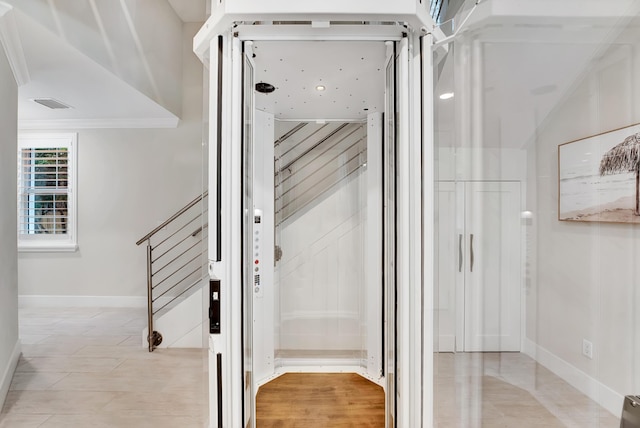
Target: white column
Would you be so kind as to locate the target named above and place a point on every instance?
(216, 269)
(233, 287)
(428, 233)
(373, 247)
(404, 370)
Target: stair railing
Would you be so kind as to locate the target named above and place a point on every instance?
(326, 159)
(176, 260)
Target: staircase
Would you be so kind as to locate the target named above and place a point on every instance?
(176, 273)
(311, 160)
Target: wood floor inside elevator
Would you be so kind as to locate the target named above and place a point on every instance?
(296, 400)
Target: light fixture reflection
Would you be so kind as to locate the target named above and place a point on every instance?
(320, 88)
(446, 96)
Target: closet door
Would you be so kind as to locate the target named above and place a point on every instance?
(492, 303)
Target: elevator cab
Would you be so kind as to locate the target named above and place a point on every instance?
(316, 150)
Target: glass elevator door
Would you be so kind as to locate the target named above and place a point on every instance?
(251, 240)
(389, 237)
(345, 319)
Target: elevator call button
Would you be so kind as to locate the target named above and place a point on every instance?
(257, 229)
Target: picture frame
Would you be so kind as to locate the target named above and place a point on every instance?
(599, 177)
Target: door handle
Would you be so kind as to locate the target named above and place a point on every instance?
(471, 256)
(219, 387)
(214, 306)
(460, 252)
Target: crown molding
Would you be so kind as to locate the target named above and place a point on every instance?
(10, 40)
(126, 123)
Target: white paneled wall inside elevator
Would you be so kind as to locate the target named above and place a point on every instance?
(321, 292)
(316, 302)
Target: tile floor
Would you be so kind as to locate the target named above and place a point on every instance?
(87, 368)
(509, 390)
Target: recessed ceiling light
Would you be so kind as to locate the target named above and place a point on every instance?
(446, 96)
(320, 88)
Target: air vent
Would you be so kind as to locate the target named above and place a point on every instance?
(51, 103)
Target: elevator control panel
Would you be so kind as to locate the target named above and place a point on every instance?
(257, 245)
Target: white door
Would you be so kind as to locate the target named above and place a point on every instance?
(478, 301)
(492, 273)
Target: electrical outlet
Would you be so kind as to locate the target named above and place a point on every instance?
(587, 349)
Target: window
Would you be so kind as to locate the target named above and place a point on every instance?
(46, 192)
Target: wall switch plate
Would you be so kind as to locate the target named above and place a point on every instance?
(587, 349)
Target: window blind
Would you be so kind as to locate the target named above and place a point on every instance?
(43, 191)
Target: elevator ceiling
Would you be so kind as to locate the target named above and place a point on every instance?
(351, 73)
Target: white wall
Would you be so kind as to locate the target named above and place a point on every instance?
(322, 302)
(9, 344)
(492, 164)
(128, 181)
(585, 283)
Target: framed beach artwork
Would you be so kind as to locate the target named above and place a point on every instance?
(599, 177)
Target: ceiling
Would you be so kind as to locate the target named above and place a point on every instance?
(54, 68)
(191, 10)
(351, 73)
(96, 96)
(509, 73)
(529, 65)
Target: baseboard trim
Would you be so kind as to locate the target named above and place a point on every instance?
(319, 365)
(43, 301)
(7, 376)
(592, 388)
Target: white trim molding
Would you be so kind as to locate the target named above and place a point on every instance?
(44, 301)
(592, 388)
(123, 123)
(27, 247)
(5, 382)
(30, 236)
(10, 40)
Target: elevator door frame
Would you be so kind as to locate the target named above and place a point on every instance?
(389, 326)
(387, 318)
(409, 348)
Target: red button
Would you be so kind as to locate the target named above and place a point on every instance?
(256, 262)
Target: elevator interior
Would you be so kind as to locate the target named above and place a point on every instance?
(315, 190)
(319, 186)
(323, 120)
